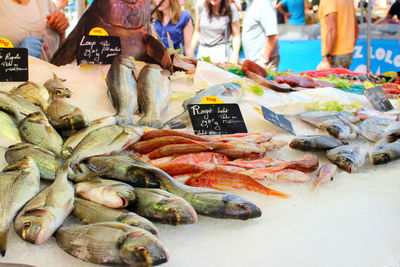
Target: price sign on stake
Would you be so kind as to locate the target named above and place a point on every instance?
(278, 120)
(214, 119)
(13, 64)
(378, 98)
(98, 49)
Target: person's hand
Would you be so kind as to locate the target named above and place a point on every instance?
(287, 16)
(57, 21)
(34, 45)
(60, 4)
(324, 65)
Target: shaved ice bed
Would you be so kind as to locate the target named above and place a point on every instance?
(351, 221)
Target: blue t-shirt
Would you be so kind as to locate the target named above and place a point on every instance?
(175, 31)
(296, 8)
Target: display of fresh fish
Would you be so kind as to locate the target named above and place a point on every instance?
(162, 206)
(326, 172)
(33, 93)
(123, 168)
(153, 95)
(112, 243)
(348, 157)
(19, 183)
(278, 175)
(105, 192)
(64, 116)
(387, 149)
(17, 106)
(90, 212)
(70, 144)
(41, 217)
(373, 128)
(36, 129)
(46, 160)
(56, 86)
(122, 88)
(9, 133)
(225, 180)
(104, 141)
(227, 92)
(315, 142)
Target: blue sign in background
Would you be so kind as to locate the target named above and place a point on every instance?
(305, 55)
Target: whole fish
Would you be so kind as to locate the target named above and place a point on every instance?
(33, 93)
(64, 116)
(159, 205)
(365, 113)
(153, 95)
(326, 172)
(122, 88)
(392, 130)
(225, 180)
(46, 160)
(315, 142)
(70, 144)
(17, 106)
(56, 86)
(373, 128)
(227, 92)
(90, 212)
(387, 149)
(105, 192)
(122, 168)
(277, 175)
(205, 201)
(19, 183)
(36, 129)
(9, 133)
(41, 217)
(348, 157)
(105, 140)
(112, 243)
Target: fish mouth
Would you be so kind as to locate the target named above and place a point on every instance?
(381, 158)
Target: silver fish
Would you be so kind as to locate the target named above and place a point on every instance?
(105, 192)
(122, 88)
(33, 93)
(153, 94)
(46, 160)
(315, 142)
(373, 128)
(19, 183)
(392, 130)
(365, 113)
(41, 217)
(17, 106)
(349, 157)
(387, 149)
(9, 133)
(112, 243)
(91, 212)
(227, 92)
(36, 129)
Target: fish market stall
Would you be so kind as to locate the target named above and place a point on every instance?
(349, 221)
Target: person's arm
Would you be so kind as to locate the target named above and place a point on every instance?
(196, 32)
(187, 39)
(279, 7)
(60, 4)
(235, 42)
(58, 22)
(269, 48)
(238, 7)
(356, 30)
(331, 32)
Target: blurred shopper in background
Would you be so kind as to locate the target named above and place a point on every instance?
(260, 33)
(393, 11)
(295, 13)
(33, 24)
(216, 26)
(171, 22)
(339, 32)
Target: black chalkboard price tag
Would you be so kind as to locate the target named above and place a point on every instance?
(14, 64)
(278, 120)
(216, 119)
(98, 49)
(378, 98)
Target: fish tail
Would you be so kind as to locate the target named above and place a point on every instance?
(3, 243)
(272, 192)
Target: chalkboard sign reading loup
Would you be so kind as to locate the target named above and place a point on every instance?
(278, 120)
(216, 119)
(13, 64)
(378, 98)
(98, 49)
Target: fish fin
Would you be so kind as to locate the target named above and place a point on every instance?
(35, 212)
(276, 193)
(3, 242)
(118, 137)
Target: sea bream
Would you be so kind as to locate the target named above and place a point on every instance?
(9, 133)
(17, 106)
(315, 142)
(227, 92)
(33, 93)
(374, 128)
(387, 149)
(349, 157)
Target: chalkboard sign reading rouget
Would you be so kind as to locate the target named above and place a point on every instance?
(98, 49)
(378, 98)
(13, 64)
(278, 120)
(216, 119)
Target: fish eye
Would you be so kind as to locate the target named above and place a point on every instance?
(26, 225)
(197, 181)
